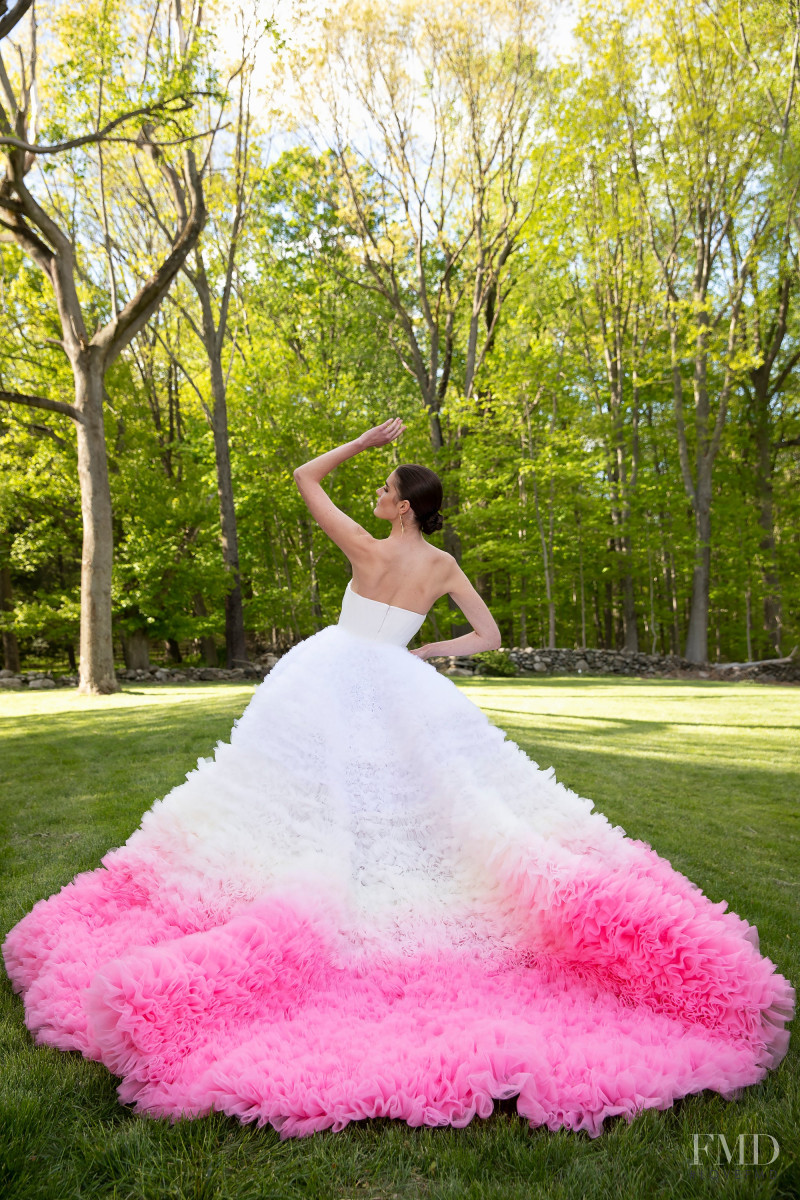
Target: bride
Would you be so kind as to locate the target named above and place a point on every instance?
(371, 903)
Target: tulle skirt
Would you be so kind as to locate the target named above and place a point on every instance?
(372, 903)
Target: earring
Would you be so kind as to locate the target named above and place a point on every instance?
(402, 526)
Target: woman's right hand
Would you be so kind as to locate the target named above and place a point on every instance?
(380, 435)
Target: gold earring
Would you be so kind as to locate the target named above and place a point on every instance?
(402, 526)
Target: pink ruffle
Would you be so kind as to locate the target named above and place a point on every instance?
(432, 1040)
(643, 993)
(53, 953)
(647, 933)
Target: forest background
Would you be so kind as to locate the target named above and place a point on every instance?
(230, 241)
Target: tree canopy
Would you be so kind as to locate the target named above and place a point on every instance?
(226, 247)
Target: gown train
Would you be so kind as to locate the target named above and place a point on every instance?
(371, 903)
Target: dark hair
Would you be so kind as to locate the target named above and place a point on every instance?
(422, 488)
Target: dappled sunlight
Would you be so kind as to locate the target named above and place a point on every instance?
(66, 713)
(68, 700)
(711, 704)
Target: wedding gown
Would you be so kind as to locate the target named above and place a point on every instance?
(371, 903)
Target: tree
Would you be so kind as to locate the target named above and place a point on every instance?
(669, 152)
(769, 43)
(311, 372)
(9, 20)
(42, 230)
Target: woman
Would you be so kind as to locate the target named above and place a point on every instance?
(371, 903)
(403, 565)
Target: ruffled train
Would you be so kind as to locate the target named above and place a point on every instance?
(371, 903)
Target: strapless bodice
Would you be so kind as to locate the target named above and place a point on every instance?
(378, 621)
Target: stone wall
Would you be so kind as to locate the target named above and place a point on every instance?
(527, 661)
(619, 662)
(40, 680)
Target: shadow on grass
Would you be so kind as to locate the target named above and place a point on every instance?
(636, 724)
(590, 682)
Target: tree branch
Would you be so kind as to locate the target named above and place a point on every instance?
(102, 134)
(785, 371)
(137, 312)
(10, 19)
(58, 406)
(22, 235)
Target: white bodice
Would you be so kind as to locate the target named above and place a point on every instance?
(378, 621)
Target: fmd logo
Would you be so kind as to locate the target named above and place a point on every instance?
(747, 1150)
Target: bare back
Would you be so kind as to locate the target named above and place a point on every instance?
(415, 577)
(412, 578)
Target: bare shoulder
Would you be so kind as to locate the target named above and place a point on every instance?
(444, 567)
(450, 572)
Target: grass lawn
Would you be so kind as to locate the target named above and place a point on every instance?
(707, 773)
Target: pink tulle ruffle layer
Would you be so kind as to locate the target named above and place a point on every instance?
(636, 991)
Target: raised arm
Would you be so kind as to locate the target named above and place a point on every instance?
(485, 630)
(348, 535)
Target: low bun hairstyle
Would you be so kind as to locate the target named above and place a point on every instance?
(422, 488)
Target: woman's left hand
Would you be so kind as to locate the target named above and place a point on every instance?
(380, 435)
(429, 650)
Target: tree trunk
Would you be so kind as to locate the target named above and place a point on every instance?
(136, 650)
(697, 636)
(451, 501)
(773, 615)
(651, 589)
(173, 650)
(629, 625)
(580, 575)
(608, 618)
(208, 647)
(522, 533)
(547, 555)
(10, 644)
(598, 623)
(90, 358)
(316, 607)
(620, 517)
(97, 676)
(235, 649)
(748, 623)
(671, 586)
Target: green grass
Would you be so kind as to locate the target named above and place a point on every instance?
(706, 773)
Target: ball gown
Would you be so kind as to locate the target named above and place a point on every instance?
(371, 903)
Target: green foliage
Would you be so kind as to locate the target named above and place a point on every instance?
(562, 468)
(495, 662)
